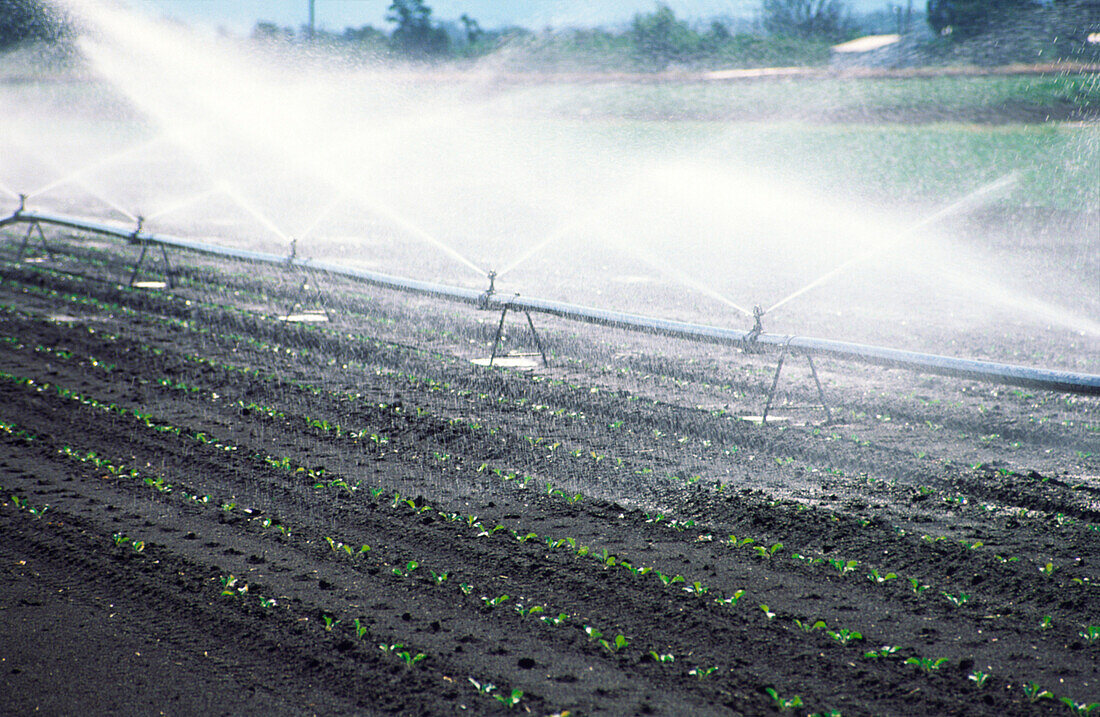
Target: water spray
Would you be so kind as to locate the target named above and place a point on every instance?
(969, 369)
(975, 198)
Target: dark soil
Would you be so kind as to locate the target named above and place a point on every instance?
(956, 522)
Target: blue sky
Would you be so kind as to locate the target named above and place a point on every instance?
(241, 15)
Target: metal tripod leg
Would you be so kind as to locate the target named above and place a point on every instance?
(168, 280)
(820, 390)
(140, 261)
(775, 383)
(771, 391)
(41, 236)
(500, 334)
(500, 331)
(538, 341)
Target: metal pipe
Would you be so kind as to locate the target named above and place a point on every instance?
(985, 371)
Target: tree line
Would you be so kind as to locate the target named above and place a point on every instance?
(784, 31)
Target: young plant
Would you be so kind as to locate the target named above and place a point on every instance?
(511, 700)
(957, 600)
(808, 627)
(667, 657)
(593, 633)
(731, 600)
(927, 663)
(781, 704)
(482, 687)
(439, 578)
(701, 672)
(879, 579)
(407, 570)
(1091, 633)
(494, 602)
(615, 645)
(917, 586)
(768, 613)
(330, 622)
(411, 659)
(1035, 693)
(1080, 708)
(844, 635)
(979, 678)
(884, 651)
(555, 621)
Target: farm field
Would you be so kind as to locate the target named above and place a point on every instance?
(242, 515)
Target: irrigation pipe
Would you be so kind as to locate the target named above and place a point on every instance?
(984, 371)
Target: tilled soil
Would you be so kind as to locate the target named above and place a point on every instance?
(209, 510)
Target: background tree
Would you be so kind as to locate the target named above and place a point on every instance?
(659, 38)
(24, 20)
(969, 18)
(821, 19)
(415, 34)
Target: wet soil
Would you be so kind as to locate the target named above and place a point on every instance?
(208, 510)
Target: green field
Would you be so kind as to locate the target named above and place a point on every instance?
(919, 140)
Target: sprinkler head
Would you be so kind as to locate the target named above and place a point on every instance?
(135, 237)
(757, 326)
(485, 298)
(293, 250)
(22, 203)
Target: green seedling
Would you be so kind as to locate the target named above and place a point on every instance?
(696, 588)
(1035, 693)
(768, 613)
(917, 586)
(439, 578)
(466, 588)
(1080, 708)
(511, 700)
(593, 633)
(230, 588)
(875, 577)
(411, 659)
(667, 657)
(482, 687)
(927, 663)
(844, 635)
(615, 645)
(555, 621)
(957, 600)
(525, 538)
(808, 627)
(670, 580)
(979, 678)
(739, 542)
(267, 602)
(781, 704)
(1091, 633)
(139, 546)
(495, 602)
(527, 611)
(1047, 569)
(360, 628)
(701, 672)
(731, 600)
(1046, 622)
(884, 651)
(38, 512)
(120, 539)
(407, 570)
(844, 567)
(390, 649)
(330, 622)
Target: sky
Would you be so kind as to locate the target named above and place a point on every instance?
(335, 15)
